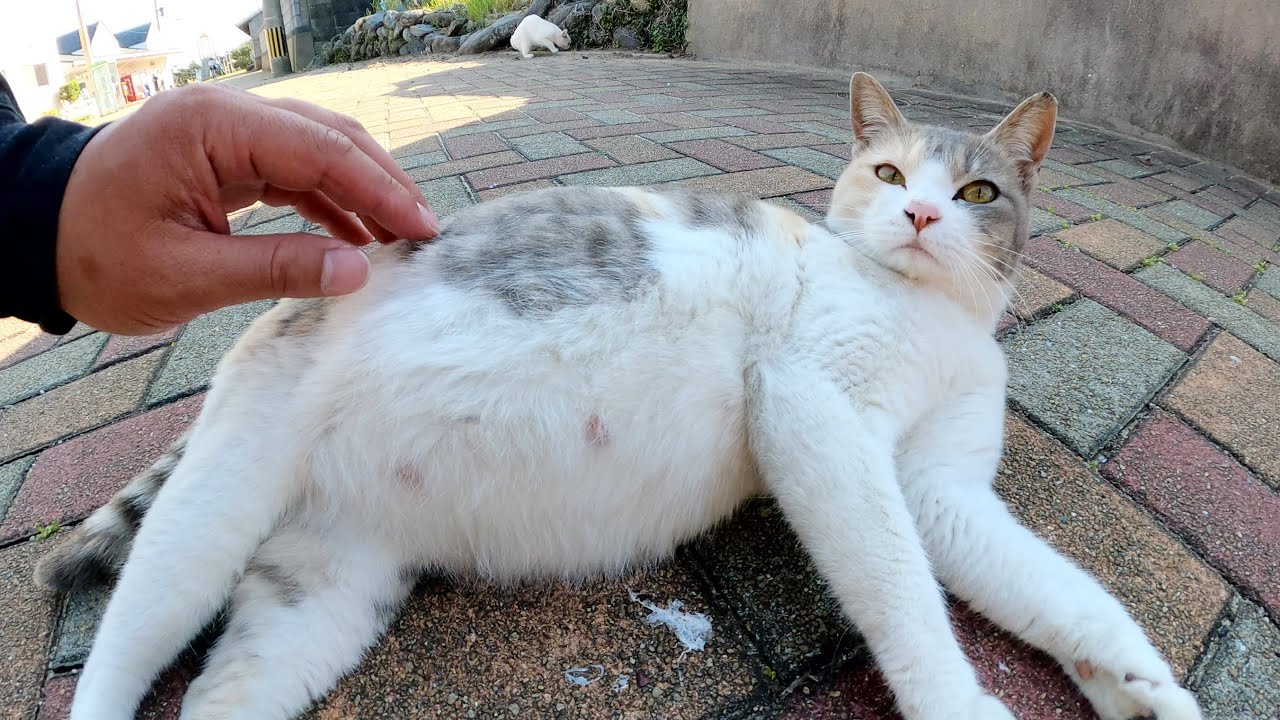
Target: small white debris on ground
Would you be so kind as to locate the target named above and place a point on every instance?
(691, 629)
(621, 683)
(584, 676)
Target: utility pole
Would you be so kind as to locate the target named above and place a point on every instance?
(88, 57)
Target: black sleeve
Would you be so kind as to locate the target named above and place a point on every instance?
(35, 164)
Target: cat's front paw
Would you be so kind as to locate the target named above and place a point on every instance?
(1122, 692)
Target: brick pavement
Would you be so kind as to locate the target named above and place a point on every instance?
(1142, 440)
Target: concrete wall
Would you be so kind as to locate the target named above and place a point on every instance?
(1203, 74)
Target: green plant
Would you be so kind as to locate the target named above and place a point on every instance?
(1197, 277)
(1057, 307)
(1261, 266)
(480, 12)
(660, 24)
(1240, 298)
(1051, 211)
(1276, 247)
(670, 24)
(1173, 247)
(1066, 225)
(70, 91)
(44, 532)
(242, 57)
(186, 75)
(1095, 217)
(1152, 261)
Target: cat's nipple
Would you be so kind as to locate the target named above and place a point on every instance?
(597, 433)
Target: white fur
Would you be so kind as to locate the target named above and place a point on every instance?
(533, 32)
(425, 425)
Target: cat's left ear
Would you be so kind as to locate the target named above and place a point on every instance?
(1027, 133)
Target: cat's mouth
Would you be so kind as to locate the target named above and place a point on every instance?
(916, 249)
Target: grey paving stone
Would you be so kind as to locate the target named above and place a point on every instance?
(1125, 168)
(1044, 222)
(667, 136)
(825, 130)
(11, 477)
(1239, 678)
(810, 159)
(1125, 215)
(489, 127)
(78, 626)
(757, 567)
(1241, 322)
(288, 224)
(1193, 214)
(547, 145)
(615, 117)
(730, 112)
(418, 160)
(49, 369)
(1263, 213)
(643, 174)
(659, 100)
(194, 356)
(446, 195)
(1269, 280)
(1086, 371)
(1073, 171)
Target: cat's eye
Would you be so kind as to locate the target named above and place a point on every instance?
(890, 174)
(978, 192)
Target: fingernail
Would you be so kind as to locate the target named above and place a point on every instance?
(429, 217)
(345, 270)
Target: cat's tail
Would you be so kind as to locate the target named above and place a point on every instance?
(97, 549)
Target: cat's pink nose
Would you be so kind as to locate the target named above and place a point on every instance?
(921, 214)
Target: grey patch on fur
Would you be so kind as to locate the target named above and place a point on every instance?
(304, 317)
(94, 555)
(739, 215)
(548, 250)
(284, 583)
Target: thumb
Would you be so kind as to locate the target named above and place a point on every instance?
(233, 269)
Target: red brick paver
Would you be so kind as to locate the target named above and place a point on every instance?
(1159, 314)
(71, 480)
(1206, 497)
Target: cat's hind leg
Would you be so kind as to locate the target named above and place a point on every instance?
(1004, 571)
(314, 597)
(222, 499)
(523, 47)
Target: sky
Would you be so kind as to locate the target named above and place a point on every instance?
(182, 22)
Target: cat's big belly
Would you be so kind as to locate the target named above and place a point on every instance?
(559, 477)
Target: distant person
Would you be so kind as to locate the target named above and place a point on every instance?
(136, 243)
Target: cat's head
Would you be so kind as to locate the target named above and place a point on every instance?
(943, 207)
(562, 40)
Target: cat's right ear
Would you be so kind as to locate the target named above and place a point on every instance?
(871, 110)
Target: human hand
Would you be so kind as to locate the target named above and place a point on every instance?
(143, 238)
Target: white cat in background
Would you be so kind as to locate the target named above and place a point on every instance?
(533, 31)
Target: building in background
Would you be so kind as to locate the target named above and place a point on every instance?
(135, 62)
(29, 62)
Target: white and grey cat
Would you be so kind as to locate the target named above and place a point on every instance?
(534, 32)
(575, 380)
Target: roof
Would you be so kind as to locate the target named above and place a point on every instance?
(134, 37)
(69, 44)
(244, 24)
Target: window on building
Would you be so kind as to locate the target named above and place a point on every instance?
(42, 74)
